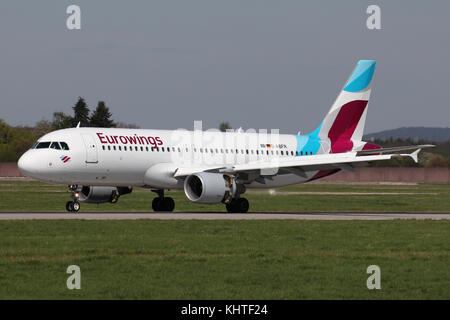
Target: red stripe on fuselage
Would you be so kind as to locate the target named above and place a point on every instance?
(345, 124)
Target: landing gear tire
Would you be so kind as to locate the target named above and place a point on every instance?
(155, 203)
(73, 206)
(163, 204)
(239, 205)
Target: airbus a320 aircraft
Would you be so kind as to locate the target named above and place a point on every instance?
(101, 164)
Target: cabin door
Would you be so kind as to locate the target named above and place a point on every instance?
(91, 148)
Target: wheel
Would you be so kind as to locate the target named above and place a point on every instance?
(239, 205)
(69, 206)
(168, 204)
(242, 205)
(75, 206)
(155, 204)
(163, 204)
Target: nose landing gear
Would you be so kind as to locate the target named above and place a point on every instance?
(73, 206)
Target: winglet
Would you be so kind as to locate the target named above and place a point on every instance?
(78, 125)
(415, 155)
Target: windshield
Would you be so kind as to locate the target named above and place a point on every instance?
(64, 146)
(53, 145)
(43, 145)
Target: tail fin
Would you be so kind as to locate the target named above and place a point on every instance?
(344, 123)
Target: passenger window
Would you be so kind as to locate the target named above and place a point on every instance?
(109, 147)
(43, 145)
(55, 145)
(64, 146)
(114, 147)
(103, 147)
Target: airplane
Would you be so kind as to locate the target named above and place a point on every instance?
(101, 164)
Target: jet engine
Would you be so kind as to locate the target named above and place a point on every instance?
(206, 187)
(100, 194)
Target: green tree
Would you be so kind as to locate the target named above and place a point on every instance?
(437, 161)
(81, 113)
(223, 126)
(62, 121)
(101, 117)
(42, 127)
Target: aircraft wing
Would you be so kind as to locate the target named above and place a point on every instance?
(299, 165)
(393, 149)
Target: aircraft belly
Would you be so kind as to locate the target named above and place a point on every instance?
(280, 181)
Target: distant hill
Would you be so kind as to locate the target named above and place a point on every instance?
(414, 133)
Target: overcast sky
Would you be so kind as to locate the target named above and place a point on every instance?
(254, 63)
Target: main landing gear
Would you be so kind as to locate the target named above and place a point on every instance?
(73, 206)
(161, 203)
(238, 205)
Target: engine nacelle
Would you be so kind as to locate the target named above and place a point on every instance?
(206, 187)
(100, 194)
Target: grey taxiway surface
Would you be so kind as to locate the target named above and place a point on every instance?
(221, 216)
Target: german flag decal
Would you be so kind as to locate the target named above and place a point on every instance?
(64, 158)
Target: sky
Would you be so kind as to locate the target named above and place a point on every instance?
(258, 64)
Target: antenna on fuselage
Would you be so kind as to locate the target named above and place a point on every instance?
(78, 125)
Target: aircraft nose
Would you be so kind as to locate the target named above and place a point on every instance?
(25, 164)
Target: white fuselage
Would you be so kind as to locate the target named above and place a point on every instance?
(148, 158)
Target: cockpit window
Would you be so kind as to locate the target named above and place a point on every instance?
(43, 145)
(34, 145)
(64, 146)
(55, 145)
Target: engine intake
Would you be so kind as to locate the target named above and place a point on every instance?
(207, 187)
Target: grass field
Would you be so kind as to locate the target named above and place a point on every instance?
(266, 259)
(153, 259)
(28, 196)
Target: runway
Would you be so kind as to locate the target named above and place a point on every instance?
(220, 216)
